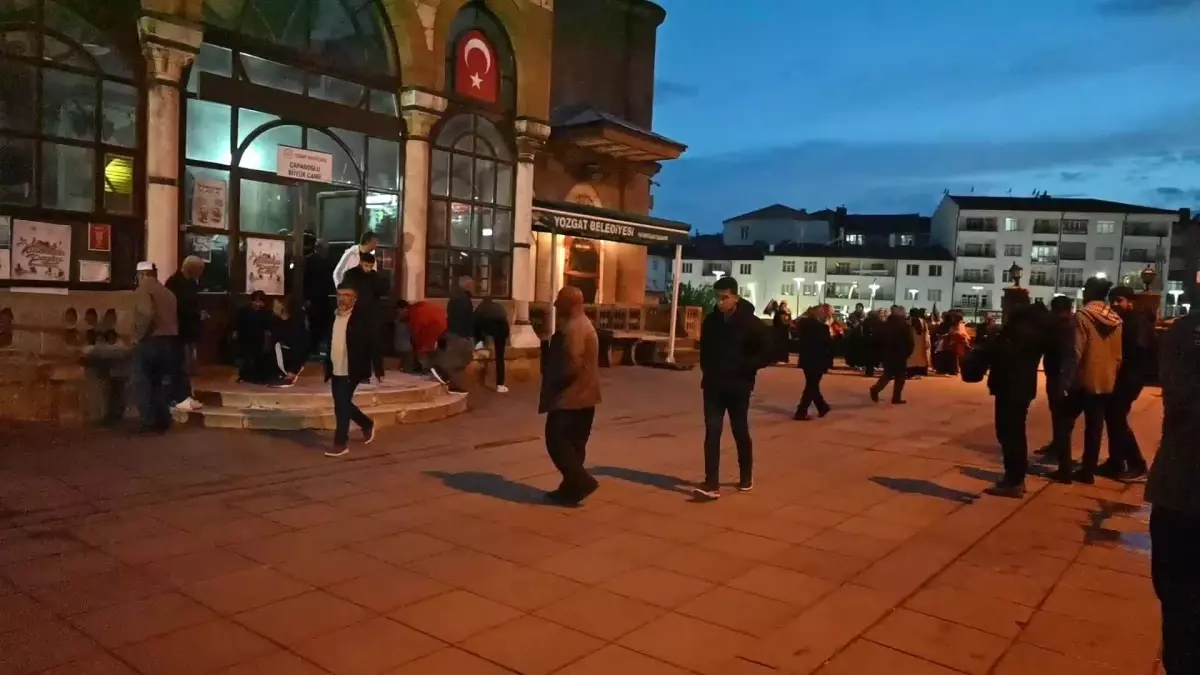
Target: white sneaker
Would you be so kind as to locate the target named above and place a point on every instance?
(501, 389)
(189, 404)
(479, 345)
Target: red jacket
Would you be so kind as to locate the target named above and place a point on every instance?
(427, 322)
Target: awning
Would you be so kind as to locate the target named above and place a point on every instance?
(605, 224)
(607, 134)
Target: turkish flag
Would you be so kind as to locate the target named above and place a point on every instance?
(476, 68)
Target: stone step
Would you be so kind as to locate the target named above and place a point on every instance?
(313, 393)
(438, 407)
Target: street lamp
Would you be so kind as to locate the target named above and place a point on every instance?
(718, 274)
(1175, 299)
(820, 291)
(977, 289)
(1014, 273)
(1187, 308)
(1148, 276)
(874, 288)
(913, 292)
(798, 281)
(1101, 275)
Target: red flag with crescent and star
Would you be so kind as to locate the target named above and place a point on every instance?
(476, 71)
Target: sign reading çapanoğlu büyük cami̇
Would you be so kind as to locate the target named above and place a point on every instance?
(595, 228)
(304, 164)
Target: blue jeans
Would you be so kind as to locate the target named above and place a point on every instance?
(155, 359)
(345, 411)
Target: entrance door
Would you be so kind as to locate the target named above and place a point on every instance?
(328, 213)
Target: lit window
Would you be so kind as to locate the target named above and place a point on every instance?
(854, 239)
(1105, 227)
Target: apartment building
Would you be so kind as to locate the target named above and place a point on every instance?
(1059, 242)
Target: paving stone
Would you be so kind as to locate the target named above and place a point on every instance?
(688, 643)
(959, 647)
(532, 646)
(455, 616)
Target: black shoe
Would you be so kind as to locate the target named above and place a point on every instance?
(800, 416)
(439, 376)
(1085, 477)
(899, 401)
(1133, 476)
(874, 396)
(746, 485)
(1007, 489)
(1047, 450)
(707, 492)
(1110, 469)
(368, 434)
(1060, 476)
(822, 413)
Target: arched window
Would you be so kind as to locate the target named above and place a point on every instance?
(69, 111)
(470, 207)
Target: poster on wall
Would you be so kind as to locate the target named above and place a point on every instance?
(41, 251)
(5, 231)
(94, 272)
(208, 202)
(99, 237)
(264, 265)
(5, 263)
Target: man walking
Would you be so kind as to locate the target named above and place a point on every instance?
(569, 395)
(1175, 498)
(1013, 354)
(371, 289)
(185, 286)
(458, 348)
(353, 344)
(350, 259)
(895, 346)
(1125, 461)
(816, 357)
(1059, 349)
(491, 325)
(734, 346)
(156, 347)
(1090, 376)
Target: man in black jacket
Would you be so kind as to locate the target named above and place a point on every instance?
(895, 346)
(734, 346)
(354, 341)
(371, 289)
(185, 285)
(816, 357)
(457, 348)
(869, 346)
(1013, 355)
(1060, 347)
(1125, 461)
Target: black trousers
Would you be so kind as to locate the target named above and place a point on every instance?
(345, 411)
(1092, 407)
(1122, 444)
(156, 361)
(567, 434)
(895, 375)
(812, 391)
(499, 345)
(1011, 416)
(1059, 443)
(1175, 568)
(717, 404)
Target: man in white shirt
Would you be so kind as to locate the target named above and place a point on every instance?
(368, 244)
(352, 347)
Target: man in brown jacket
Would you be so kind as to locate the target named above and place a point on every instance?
(156, 350)
(570, 392)
(1090, 375)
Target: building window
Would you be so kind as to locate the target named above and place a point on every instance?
(1012, 225)
(810, 289)
(935, 270)
(687, 268)
(1040, 278)
(1104, 253)
(934, 294)
(787, 289)
(1074, 226)
(1105, 227)
(810, 267)
(1012, 250)
(744, 269)
(854, 239)
(789, 265)
(1044, 254)
(745, 232)
(906, 240)
(912, 270)
(1070, 277)
(469, 231)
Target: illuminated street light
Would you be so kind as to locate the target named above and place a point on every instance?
(798, 281)
(1175, 299)
(820, 290)
(977, 289)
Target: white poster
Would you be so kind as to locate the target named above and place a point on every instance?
(5, 263)
(41, 251)
(264, 265)
(94, 272)
(5, 231)
(304, 164)
(208, 203)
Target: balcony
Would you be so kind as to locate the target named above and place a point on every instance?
(1043, 260)
(1136, 256)
(968, 278)
(1072, 255)
(861, 297)
(860, 271)
(1045, 228)
(1075, 229)
(1145, 230)
(977, 226)
(977, 252)
(1044, 282)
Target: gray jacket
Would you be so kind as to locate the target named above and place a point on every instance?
(154, 311)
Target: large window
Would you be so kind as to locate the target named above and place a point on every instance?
(470, 207)
(69, 133)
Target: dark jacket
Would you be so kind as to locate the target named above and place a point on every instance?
(371, 288)
(1060, 352)
(1137, 351)
(460, 314)
(895, 344)
(816, 344)
(1014, 352)
(490, 320)
(733, 349)
(1176, 472)
(251, 327)
(187, 306)
(362, 343)
(291, 333)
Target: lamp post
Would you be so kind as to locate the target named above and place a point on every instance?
(1014, 273)
(1175, 299)
(913, 292)
(1101, 275)
(718, 274)
(820, 291)
(1148, 276)
(798, 281)
(977, 289)
(874, 289)
(1187, 308)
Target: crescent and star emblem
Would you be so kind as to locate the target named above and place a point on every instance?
(477, 44)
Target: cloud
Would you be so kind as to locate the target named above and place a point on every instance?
(1072, 176)
(1145, 7)
(671, 90)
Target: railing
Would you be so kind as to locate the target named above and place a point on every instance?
(862, 272)
(977, 252)
(1147, 257)
(976, 278)
(1063, 255)
(1044, 260)
(1145, 231)
(976, 227)
(1045, 229)
(1069, 229)
(860, 297)
(1041, 281)
(638, 318)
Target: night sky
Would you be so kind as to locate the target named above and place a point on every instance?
(881, 105)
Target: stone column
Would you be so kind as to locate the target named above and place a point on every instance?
(531, 135)
(422, 111)
(169, 45)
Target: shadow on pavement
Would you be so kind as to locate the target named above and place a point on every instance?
(305, 438)
(654, 480)
(491, 485)
(913, 486)
(980, 474)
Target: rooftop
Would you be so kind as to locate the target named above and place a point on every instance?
(1048, 203)
(780, 212)
(711, 247)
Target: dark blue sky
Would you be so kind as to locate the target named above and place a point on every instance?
(882, 104)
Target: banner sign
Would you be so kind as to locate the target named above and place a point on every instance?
(602, 228)
(304, 164)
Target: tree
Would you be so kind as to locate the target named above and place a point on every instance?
(697, 296)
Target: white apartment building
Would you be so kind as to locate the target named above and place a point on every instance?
(778, 224)
(1058, 242)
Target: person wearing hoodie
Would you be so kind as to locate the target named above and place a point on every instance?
(816, 357)
(1013, 353)
(895, 346)
(1090, 376)
(1175, 499)
(1125, 460)
(734, 346)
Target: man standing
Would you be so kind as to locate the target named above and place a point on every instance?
(872, 327)
(367, 244)
(1090, 374)
(319, 290)
(1059, 350)
(734, 346)
(1125, 461)
(816, 357)
(569, 395)
(895, 346)
(371, 289)
(353, 344)
(1172, 491)
(156, 346)
(185, 286)
(491, 325)
(458, 350)
(1013, 355)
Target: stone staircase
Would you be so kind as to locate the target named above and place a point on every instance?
(401, 399)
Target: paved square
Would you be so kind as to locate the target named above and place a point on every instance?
(866, 547)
